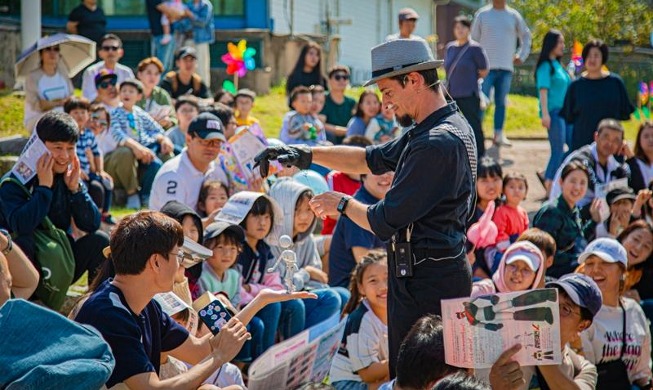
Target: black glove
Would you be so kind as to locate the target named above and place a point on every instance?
(299, 156)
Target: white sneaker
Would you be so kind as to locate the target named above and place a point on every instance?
(166, 39)
(502, 140)
(133, 202)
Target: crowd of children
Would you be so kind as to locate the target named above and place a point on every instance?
(609, 238)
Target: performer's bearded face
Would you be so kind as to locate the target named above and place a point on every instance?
(405, 120)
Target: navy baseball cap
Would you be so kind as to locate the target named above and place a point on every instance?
(207, 126)
(219, 227)
(582, 290)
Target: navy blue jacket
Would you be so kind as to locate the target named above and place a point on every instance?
(22, 216)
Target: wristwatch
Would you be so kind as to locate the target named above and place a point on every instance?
(342, 205)
(10, 242)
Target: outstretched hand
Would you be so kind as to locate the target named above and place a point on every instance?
(299, 156)
(268, 296)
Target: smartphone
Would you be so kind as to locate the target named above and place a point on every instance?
(214, 315)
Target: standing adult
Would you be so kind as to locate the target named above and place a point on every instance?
(110, 52)
(155, 101)
(425, 227)
(597, 94)
(465, 62)
(552, 83)
(407, 24)
(498, 27)
(338, 108)
(88, 20)
(162, 51)
(47, 88)
(200, 17)
(308, 68)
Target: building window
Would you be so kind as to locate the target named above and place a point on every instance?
(228, 7)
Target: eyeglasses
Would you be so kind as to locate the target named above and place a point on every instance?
(566, 310)
(99, 121)
(52, 48)
(180, 256)
(110, 48)
(107, 83)
(209, 143)
(340, 77)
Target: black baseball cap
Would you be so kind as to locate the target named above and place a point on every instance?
(219, 227)
(185, 52)
(207, 126)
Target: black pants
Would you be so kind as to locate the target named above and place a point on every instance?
(409, 299)
(470, 107)
(87, 251)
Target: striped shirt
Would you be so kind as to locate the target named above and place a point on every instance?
(497, 30)
(86, 141)
(137, 125)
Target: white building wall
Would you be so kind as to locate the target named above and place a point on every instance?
(371, 22)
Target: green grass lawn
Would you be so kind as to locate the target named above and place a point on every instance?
(522, 119)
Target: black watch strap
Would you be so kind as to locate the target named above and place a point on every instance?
(342, 205)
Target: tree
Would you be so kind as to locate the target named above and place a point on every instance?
(581, 20)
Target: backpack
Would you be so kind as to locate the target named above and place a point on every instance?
(174, 82)
(54, 256)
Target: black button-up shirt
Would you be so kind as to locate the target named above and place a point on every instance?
(433, 187)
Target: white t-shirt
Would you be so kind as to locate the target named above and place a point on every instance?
(179, 180)
(53, 87)
(365, 342)
(603, 339)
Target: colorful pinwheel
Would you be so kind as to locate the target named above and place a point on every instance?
(577, 56)
(643, 92)
(239, 59)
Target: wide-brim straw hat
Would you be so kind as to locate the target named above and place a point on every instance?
(401, 56)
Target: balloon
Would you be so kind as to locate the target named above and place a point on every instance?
(313, 180)
(229, 86)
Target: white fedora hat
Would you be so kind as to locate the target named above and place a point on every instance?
(401, 56)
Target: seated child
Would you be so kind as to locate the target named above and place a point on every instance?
(143, 137)
(213, 196)
(362, 359)
(302, 127)
(258, 214)
(521, 268)
(388, 128)
(299, 223)
(318, 99)
(488, 189)
(98, 182)
(363, 122)
(510, 218)
(244, 102)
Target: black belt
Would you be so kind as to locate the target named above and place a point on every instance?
(423, 253)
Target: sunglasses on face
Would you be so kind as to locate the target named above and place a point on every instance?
(340, 77)
(110, 48)
(99, 121)
(52, 48)
(107, 83)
